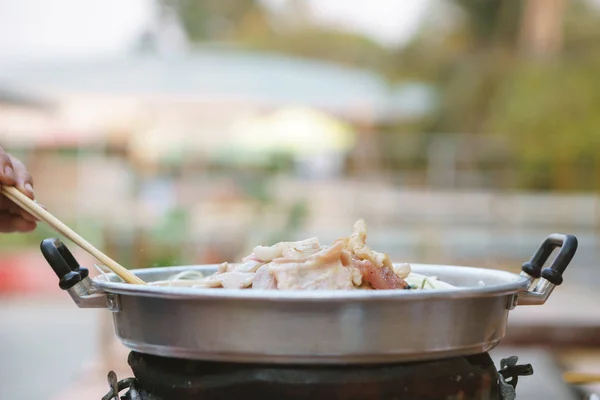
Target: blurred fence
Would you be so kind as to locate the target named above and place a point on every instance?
(433, 225)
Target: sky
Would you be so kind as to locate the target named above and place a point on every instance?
(390, 22)
(57, 27)
(80, 27)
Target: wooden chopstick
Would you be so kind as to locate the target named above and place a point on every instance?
(39, 212)
(581, 378)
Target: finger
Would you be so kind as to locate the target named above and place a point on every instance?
(17, 210)
(23, 179)
(7, 173)
(15, 223)
(7, 205)
(24, 182)
(29, 217)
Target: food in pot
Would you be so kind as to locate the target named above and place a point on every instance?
(348, 264)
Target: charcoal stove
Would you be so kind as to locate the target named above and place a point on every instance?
(465, 378)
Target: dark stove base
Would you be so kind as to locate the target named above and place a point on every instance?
(464, 378)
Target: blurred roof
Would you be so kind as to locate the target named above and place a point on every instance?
(224, 73)
(15, 98)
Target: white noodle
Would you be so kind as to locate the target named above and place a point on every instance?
(187, 275)
(104, 273)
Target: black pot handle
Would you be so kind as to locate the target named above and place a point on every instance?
(553, 274)
(65, 266)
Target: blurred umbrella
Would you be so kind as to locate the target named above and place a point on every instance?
(214, 73)
(292, 131)
(16, 98)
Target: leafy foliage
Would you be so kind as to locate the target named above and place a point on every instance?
(546, 111)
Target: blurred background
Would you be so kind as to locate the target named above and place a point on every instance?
(187, 131)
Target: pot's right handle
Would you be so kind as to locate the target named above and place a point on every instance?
(552, 275)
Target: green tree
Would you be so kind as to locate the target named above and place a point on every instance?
(219, 20)
(546, 110)
(467, 63)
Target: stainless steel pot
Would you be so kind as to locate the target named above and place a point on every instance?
(316, 326)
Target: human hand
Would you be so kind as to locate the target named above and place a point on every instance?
(12, 217)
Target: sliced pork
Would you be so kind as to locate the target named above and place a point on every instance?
(348, 264)
(320, 271)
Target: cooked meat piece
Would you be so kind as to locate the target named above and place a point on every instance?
(227, 280)
(402, 270)
(321, 271)
(250, 258)
(376, 268)
(248, 266)
(223, 268)
(235, 280)
(263, 279)
(380, 277)
(357, 245)
(293, 250)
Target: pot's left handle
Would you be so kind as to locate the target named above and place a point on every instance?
(72, 277)
(66, 268)
(552, 275)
